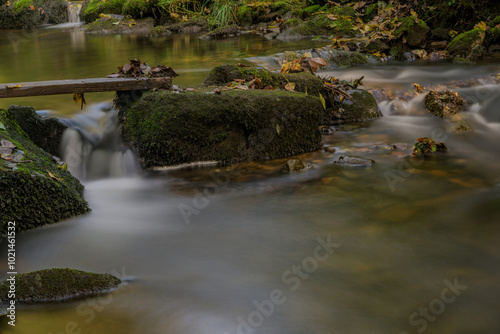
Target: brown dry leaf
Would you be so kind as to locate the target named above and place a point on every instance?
(78, 97)
(420, 53)
(278, 129)
(308, 54)
(316, 62)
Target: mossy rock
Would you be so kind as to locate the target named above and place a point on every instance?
(321, 25)
(463, 44)
(461, 127)
(45, 132)
(495, 21)
(35, 192)
(304, 82)
(55, 285)
(169, 128)
(492, 37)
(222, 32)
(138, 8)
(293, 22)
(444, 104)
(308, 11)
(362, 108)
(415, 33)
(106, 25)
(91, 9)
(20, 16)
(342, 11)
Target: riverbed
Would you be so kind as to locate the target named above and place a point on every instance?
(404, 246)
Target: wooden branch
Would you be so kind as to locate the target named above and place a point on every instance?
(54, 87)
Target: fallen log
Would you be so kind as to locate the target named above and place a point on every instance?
(54, 87)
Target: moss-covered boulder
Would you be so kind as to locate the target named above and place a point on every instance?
(362, 108)
(169, 128)
(463, 45)
(54, 285)
(322, 25)
(109, 25)
(19, 14)
(34, 191)
(334, 58)
(91, 9)
(46, 132)
(222, 32)
(413, 30)
(244, 15)
(444, 104)
(304, 82)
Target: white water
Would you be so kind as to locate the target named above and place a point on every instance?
(93, 148)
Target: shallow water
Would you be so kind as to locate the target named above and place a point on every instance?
(413, 245)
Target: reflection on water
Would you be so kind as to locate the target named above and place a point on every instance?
(404, 246)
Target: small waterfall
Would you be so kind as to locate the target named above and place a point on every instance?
(74, 9)
(93, 148)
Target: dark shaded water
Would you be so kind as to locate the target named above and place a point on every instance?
(400, 247)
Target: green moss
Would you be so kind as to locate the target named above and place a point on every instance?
(293, 22)
(158, 31)
(495, 21)
(244, 15)
(308, 11)
(343, 11)
(30, 195)
(321, 25)
(363, 108)
(342, 58)
(463, 44)
(371, 12)
(171, 128)
(415, 33)
(22, 4)
(492, 36)
(51, 285)
(91, 10)
(222, 32)
(221, 75)
(138, 8)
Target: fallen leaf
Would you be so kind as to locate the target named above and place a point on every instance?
(5, 150)
(78, 97)
(32, 8)
(277, 128)
(308, 54)
(323, 102)
(53, 176)
(290, 86)
(481, 25)
(6, 143)
(420, 53)
(2, 127)
(15, 86)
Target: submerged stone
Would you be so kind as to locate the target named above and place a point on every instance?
(34, 191)
(462, 127)
(349, 161)
(55, 285)
(169, 128)
(293, 166)
(427, 147)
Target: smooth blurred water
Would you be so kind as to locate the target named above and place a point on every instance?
(241, 249)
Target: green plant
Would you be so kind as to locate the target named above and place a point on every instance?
(223, 13)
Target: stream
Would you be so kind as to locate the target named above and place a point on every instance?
(401, 247)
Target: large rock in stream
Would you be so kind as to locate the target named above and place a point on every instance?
(169, 128)
(55, 285)
(34, 190)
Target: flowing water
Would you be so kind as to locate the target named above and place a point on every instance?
(404, 246)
